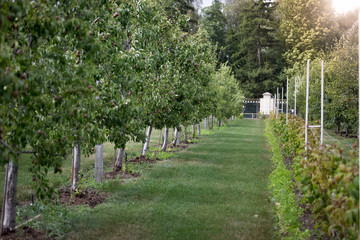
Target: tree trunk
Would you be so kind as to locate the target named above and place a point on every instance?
(160, 138)
(8, 214)
(75, 167)
(212, 122)
(119, 160)
(186, 134)
(219, 123)
(147, 143)
(114, 160)
(166, 136)
(178, 137)
(199, 129)
(175, 137)
(99, 162)
(194, 132)
(259, 47)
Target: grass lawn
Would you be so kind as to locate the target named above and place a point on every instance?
(215, 189)
(341, 142)
(25, 187)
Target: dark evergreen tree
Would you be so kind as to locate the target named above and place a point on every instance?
(254, 50)
(214, 22)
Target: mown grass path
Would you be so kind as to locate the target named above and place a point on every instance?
(216, 189)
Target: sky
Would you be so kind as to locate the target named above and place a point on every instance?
(206, 3)
(342, 6)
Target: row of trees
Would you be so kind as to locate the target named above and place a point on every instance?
(78, 73)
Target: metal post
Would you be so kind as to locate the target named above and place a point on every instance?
(307, 105)
(322, 103)
(359, 110)
(282, 100)
(295, 98)
(277, 102)
(287, 100)
(274, 103)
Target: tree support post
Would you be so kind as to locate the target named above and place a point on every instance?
(75, 167)
(99, 162)
(8, 214)
(178, 136)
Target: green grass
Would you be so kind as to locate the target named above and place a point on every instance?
(341, 142)
(26, 187)
(215, 189)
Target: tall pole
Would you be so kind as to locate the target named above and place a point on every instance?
(307, 105)
(282, 100)
(274, 103)
(359, 108)
(322, 103)
(295, 98)
(287, 100)
(277, 102)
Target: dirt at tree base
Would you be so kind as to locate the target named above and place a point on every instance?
(25, 233)
(91, 198)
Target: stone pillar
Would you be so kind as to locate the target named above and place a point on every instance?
(266, 104)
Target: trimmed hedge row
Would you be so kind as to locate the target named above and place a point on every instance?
(328, 181)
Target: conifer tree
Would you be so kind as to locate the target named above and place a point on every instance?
(254, 50)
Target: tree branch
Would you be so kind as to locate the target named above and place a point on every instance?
(7, 145)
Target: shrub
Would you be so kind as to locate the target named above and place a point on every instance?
(328, 180)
